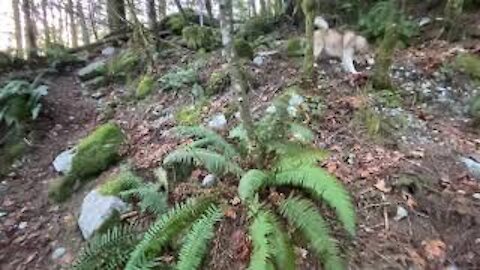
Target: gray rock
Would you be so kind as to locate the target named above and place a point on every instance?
(22, 225)
(2, 214)
(108, 51)
(401, 213)
(96, 210)
(92, 70)
(218, 122)
(58, 253)
(472, 166)
(424, 21)
(259, 60)
(95, 83)
(97, 95)
(476, 196)
(209, 181)
(63, 162)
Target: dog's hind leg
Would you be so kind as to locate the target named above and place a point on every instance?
(347, 60)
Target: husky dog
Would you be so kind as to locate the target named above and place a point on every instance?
(340, 45)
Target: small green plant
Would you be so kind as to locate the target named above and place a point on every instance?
(179, 78)
(243, 49)
(189, 115)
(124, 64)
(20, 101)
(58, 56)
(119, 182)
(145, 86)
(374, 24)
(200, 37)
(217, 83)
(470, 64)
(295, 47)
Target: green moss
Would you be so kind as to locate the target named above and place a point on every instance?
(469, 64)
(243, 48)
(123, 64)
(122, 181)
(145, 86)
(295, 47)
(200, 37)
(97, 151)
(189, 115)
(218, 81)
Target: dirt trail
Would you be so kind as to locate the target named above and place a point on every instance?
(34, 227)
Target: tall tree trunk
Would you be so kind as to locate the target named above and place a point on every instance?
(60, 25)
(308, 7)
(179, 7)
(384, 58)
(46, 27)
(151, 14)
(263, 7)
(208, 7)
(83, 24)
(116, 15)
(162, 9)
(73, 25)
(253, 8)
(18, 28)
(226, 29)
(92, 18)
(453, 11)
(31, 44)
(239, 80)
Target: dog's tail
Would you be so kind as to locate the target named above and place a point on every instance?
(321, 23)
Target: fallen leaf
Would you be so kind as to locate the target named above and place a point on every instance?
(382, 186)
(434, 250)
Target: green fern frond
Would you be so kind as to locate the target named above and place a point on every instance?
(196, 241)
(108, 251)
(324, 187)
(302, 214)
(210, 138)
(260, 231)
(124, 180)
(151, 198)
(282, 248)
(213, 162)
(164, 229)
(250, 183)
(294, 155)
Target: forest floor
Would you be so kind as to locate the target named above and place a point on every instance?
(417, 205)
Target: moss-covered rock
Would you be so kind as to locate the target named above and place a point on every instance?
(97, 151)
(243, 49)
(200, 37)
(189, 115)
(145, 86)
(295, 47)
(217, 83)
(92, 70)
(469, 64)
(121, 181)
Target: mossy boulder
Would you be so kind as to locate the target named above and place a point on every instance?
(217, 83)
(295, 47)
(94, 154)
(470, 64)
(145, 86)
(92, 70)
(243, 48)
(200, 37)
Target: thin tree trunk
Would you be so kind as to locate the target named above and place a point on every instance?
(151, 14)
(263, 7)
(46, 27)
(208, 7)
(253, 8)
(384, 58)
(18, 28)
(73, 25)
(180, 8)
(83, 24)
(226, 27)
(116, 15)
(308, 7)
(60, 25)
(31, 44)
(162, 9)
(91, 15)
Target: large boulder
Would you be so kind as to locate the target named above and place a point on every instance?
(97, 210)
(92, 70)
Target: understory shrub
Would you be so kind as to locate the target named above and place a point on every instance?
(200, 37)
(145, 86)
(179, 78)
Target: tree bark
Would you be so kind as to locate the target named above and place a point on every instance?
(116, 15)
(46, 27)
(152, 15)
(83, 24)
(308, 7)
(162, 9)
(31, 44)
(263, 7)
(18, 28)
(253, 8)
(226, 28)
(92, 17)
(60, 25)
(208, 7)
(384, 58)
(73, 25)
(180, 8)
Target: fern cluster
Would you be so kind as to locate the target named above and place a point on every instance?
(129, 248)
